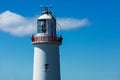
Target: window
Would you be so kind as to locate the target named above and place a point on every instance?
(46, 66)
(41, 28)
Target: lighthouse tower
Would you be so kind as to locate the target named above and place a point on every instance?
(46, 48)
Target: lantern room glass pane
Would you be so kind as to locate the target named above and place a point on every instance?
(41, 26)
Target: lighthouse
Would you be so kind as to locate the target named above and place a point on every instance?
(46, 64)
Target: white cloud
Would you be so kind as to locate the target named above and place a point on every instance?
(71, 23)
(18, 25)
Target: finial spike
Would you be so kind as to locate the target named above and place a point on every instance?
(46, 9)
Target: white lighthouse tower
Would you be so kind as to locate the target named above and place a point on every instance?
(46, 48)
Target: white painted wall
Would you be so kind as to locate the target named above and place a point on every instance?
(46, 54)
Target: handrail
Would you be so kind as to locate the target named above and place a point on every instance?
(46, 39)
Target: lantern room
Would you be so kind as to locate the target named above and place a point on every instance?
(46, 28)
(46, 23)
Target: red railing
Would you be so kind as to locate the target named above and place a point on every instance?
(46, 39)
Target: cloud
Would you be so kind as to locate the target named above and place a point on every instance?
(18, 25)
(71, 23)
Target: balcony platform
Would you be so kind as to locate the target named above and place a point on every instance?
(46, 40)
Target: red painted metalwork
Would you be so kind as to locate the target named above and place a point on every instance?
(46, 39)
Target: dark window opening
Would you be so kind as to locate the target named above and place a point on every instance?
(41, 26)
(46, 66)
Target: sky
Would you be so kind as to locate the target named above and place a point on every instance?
(91, 38)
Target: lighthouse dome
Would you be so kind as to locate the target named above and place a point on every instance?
(45, 16)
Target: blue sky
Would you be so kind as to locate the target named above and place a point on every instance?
(88, 52)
